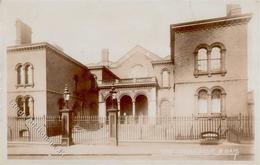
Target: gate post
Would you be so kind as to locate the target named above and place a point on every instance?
(113, 118)
(113, 126)
(66, 121)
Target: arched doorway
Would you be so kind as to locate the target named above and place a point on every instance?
(141, 105)
(126, 106)
(109, 104)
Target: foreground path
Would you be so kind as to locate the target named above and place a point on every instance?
(136, 151)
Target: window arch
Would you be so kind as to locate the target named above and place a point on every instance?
(20, 105)
(211, 101)
(215, 59)
(28, 71)
(25, 105)
(203, 101)
(210, 59)
(165, 78)
(18, 69)
(24, 75)
(216, 101)
(202, 60)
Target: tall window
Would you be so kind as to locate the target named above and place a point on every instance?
(19, 102)
(25, 105)
(24, 75)
(28, 69)
(210, 59)
(216, 101)
(211, 101)
(165, 78)
(202, 60)
(19, 74)
(203, 101)
(216, 59)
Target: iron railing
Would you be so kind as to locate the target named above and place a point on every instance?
(95, 130)
(38, 129)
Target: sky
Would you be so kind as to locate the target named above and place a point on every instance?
(83, 28)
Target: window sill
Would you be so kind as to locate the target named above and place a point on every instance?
(223, 73)
(24, 85)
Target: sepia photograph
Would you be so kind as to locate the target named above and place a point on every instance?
(129, 81)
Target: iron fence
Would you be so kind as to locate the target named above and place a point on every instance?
(240, 127)
(95, 130)
(37, 129)
(90, 130)
(143, 128)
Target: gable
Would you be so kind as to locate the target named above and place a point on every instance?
(137, 50)
(136, 63)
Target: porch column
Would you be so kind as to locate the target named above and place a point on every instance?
(102, 109)
(133, 108)
(118, 107)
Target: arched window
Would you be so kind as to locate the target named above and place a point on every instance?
(202, 60)
(215, 59)
(211, 101)
(28, 71)
(216, 101)
(203, 101)
(19, 74)
(19, 103)
(165, 78)
(210, 59)
(25, 105)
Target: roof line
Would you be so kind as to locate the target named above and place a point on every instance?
(212, 20)
(48, 45)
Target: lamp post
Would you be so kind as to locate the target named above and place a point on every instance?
(66, 96)
(113, 94)
(66, 117)
(113, 118)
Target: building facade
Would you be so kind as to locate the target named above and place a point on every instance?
(201, 77)
(37, 76)
(206, 74)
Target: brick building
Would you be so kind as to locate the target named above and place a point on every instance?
(201, 77)
(37, 74)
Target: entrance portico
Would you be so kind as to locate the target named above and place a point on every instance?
(133, 99)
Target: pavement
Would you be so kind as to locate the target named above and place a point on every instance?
(180, 150)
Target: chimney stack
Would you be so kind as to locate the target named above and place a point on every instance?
(23, 33)
(233, 9)
(105, 57)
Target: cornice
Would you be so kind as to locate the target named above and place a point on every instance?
(162, 62)
(48, 47)
(27, 47)
(214, 23)
(128, 85)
